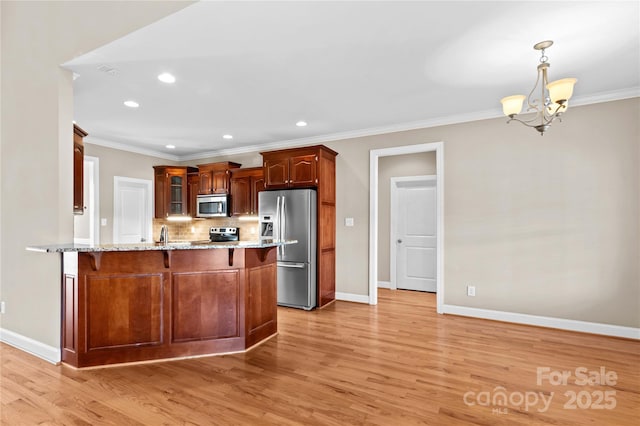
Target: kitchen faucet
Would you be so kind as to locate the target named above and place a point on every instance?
(164, 234)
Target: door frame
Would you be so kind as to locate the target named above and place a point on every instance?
(421, 182)
(374, 156)
(94, 200)
(117, 182)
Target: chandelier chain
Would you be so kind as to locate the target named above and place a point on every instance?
(543, 58)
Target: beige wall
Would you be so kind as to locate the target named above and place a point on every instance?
(421, 164)
(540, 225)
(37, 143)
(114, 162)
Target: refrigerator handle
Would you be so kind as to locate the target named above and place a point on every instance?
(291, 265)
(276, 222)
(284, 222)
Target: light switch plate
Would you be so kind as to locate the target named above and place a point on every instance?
(348, 221)
(103, 221)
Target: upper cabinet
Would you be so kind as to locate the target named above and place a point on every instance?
(294, 168)
(215, 177)
(193, 187)
(170, 188)
(245, 185)
(78, 169)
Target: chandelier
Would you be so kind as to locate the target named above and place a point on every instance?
(553, 101)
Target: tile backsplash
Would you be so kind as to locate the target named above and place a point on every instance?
(198, 229)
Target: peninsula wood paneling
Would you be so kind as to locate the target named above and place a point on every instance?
(69, 308)
(206, 305)
(159, 304)
(132, 315)
(262, 316)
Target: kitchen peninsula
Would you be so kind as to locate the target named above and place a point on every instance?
(139, 302)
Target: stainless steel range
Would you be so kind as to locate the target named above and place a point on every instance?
(217, 235)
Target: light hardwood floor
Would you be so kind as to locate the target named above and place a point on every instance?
(398, 363)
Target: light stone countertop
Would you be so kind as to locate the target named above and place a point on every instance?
(180, 245)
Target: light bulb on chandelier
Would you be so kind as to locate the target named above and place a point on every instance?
(554, 97)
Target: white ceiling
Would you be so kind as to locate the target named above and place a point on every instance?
(253, 69)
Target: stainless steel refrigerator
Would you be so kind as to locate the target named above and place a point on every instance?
(292, 215)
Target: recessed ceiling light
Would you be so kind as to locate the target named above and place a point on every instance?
(132, 104)
(227, 137)
(170, 146)
(165, 77)
(301, 123)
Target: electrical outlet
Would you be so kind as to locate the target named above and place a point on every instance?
(1, 307)
(471, 290)
(348, 221)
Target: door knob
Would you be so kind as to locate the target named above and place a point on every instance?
(399, 241)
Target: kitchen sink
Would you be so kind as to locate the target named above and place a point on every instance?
(200, 242)
(174, 243)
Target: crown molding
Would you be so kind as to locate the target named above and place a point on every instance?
(616, 95)
(351, 134)
(124, 147)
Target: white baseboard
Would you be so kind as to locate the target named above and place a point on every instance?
(27, 344)
(384, 284)
(561, 323)
(350, 297)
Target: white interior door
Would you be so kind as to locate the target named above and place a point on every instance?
(131, 210)
(416, 234)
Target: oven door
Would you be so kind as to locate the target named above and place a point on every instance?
(212, 205)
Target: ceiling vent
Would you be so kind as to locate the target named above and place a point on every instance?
(108, 70)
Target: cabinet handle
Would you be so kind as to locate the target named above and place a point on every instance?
(316, 180)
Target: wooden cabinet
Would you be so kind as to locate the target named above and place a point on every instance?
(78, 169)
(290, 170)
(197, 298)
(128, 306)
(245, 185)
(311, 167)
(193, 186)
(215, 177)
(257, 185)
(170, 189)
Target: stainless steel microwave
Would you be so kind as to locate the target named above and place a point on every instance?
(213, 205)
